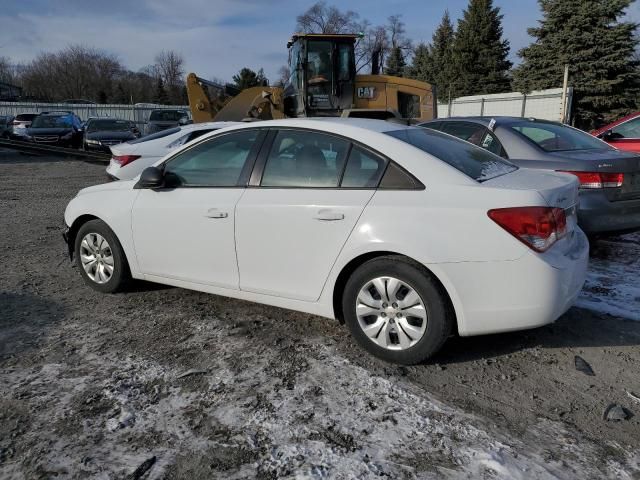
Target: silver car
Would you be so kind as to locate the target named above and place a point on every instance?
(609, 178)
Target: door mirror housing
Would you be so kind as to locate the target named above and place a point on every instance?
(151, 177)
(606, 135)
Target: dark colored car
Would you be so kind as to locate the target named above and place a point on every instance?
(102, 133)
(609, 178)
(61, 129)
(5, 125)
(20, 125)
(624, 133)
(162, 119)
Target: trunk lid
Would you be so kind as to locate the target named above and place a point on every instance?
(607, 161)
(557, 189)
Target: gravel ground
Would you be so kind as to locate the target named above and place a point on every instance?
(167, 383)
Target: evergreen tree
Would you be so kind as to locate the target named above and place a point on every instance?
(422, 64)
(433, 63)
(479, 53)
(160, 96)
(599, 49)
(395, 63)
(247, 78)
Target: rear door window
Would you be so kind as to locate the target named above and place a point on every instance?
(305, 159)
(363, 170)
(471, 132)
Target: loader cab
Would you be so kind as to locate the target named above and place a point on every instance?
(322, 75)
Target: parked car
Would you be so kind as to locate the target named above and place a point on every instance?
(609, 178)
(100, 133)
(162, 119)
(61, 128)
(131, 158)
(20, 125)
(5, 126)
(623, 134)
(406, 234)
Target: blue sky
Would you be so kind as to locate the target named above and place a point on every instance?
(216, 37)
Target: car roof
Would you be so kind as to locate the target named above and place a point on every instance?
(335, 124)
(500, 120)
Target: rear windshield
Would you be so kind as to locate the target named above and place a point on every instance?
(26, 117)
(473, 161)
(153, 136)
(109, 125)
(52, 121)
(167, 115)
(553, 137)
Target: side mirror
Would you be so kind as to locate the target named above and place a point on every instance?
(151, 177)
(184, 121)
(606, 135)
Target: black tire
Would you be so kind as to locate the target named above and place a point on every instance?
(121, 275)
(439, 315)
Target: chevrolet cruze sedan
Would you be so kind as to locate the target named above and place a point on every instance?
(405, 234)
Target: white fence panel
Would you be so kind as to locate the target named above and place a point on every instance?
(543, 104)
(138, 113)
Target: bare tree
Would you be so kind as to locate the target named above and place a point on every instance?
(320, 18)
(7, 70)
(283, 76)
(170, 67)
(75, 72)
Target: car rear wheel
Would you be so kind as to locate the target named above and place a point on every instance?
(396, 311)
(100, 257)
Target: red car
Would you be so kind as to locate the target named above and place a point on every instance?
(624, 134)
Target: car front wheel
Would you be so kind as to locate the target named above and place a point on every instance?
(396, 310)
(100, 257)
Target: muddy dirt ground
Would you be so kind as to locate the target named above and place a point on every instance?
(161, 382)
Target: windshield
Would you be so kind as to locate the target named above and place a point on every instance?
(473, 161)
(553, 137)
(167, 115)
(319, 72)
(109, 125)
(52, 121)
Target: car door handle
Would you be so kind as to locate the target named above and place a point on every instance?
(328, 215)
(215, 213)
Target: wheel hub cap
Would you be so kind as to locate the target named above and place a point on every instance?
(391, 313)
(96, 258)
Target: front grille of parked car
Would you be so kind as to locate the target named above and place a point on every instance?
(46, 138)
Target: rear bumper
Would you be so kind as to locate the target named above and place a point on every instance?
(597, 215)
(529, 292)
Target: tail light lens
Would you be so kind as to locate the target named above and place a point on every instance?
(123, 160)
(599, 179)
(536, 227)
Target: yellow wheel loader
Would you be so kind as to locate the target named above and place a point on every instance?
(323, 83)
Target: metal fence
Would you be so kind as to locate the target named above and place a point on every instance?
(138, 113)
(543, 104)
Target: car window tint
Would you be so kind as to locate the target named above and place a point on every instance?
(304, 159)
(473, 161)
(363, 170)
(554, 137)
(630, 129)
(491, 143)
(471, 132)
(217, 162)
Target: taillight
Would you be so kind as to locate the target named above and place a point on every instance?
(536, 227)
(123, 160)
(598, 179)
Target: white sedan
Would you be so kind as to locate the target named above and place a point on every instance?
(406, 234)
(130, 158)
